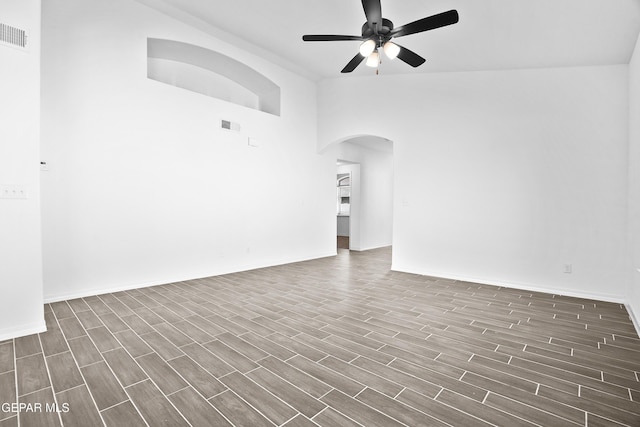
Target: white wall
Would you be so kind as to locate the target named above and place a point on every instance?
(21, 303)
(634, 184)
(375, 218)
(501, 177)
(143, 186)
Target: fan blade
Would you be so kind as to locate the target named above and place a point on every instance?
(429, 23)
(410, 57)
(373, 12)
(353, 64)
(329, 38)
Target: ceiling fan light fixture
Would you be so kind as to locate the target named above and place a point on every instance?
(367, 48)
(391, 50)
(374, 59)
(377, 32)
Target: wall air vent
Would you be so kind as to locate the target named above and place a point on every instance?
(228, 125)
(14, 37)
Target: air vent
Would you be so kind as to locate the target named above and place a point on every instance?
(14, 37)
(228, 125)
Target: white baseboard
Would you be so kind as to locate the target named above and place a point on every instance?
(368, 248)
(634, 319)
(129, 286)
(518, 285)
(23, 330)
(528, 287)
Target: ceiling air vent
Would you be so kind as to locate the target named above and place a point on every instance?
(12, 36)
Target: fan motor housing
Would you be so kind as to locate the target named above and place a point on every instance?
(387, 26)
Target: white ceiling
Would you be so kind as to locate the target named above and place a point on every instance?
(491, 34)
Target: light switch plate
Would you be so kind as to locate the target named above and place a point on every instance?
(13, 192)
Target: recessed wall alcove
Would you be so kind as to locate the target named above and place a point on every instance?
(210, 73)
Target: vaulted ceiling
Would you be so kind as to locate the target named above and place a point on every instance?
(491, 34)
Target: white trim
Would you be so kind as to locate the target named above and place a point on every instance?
(127, 287)
(24, 330)
(634, 318)
(523, 286)
(370, 248)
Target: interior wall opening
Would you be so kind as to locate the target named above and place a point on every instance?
(364, 193)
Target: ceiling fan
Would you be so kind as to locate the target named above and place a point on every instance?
(377, 33)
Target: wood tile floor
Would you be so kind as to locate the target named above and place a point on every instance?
(339, 341)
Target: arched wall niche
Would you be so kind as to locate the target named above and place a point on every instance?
(210, 73)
